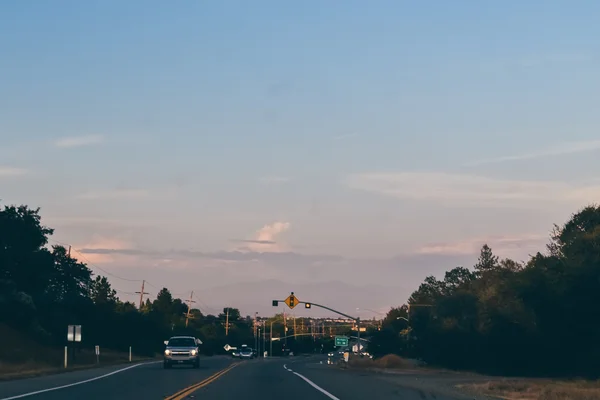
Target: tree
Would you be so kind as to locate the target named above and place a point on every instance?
(457, 279)
(234, 314)
(487, 261)
(164, 302)
(102, 293)
(44, 290)
(396, 318)
(23, 258)
(510, 317)
(69, 279)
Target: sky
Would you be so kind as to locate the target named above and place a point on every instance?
(343, 150)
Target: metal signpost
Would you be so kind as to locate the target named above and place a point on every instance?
(74, 333)
(74, 336)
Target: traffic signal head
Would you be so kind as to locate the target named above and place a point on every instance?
(292, 301)
(275, 303)
(307, 305)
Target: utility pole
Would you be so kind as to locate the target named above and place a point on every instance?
(358, 334)
(69, 252)
(271, 340)
(227, 322)
(142, 293)
(187, 315)
(294, 327)
(264, 338)
(255, 328)
(285, 328)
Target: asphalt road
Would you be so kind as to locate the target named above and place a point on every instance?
(294, 378)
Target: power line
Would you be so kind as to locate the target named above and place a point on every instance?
(124, 292)
(205, 305)
(95, 266)
(148, 283)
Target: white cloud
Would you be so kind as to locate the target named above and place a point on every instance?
(79, 141)
(114, 194)
(11, 171)
(265, 239)
(554, 150)
(274, 179)
(473, 190)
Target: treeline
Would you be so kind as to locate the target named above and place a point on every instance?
(540, 317)
(43, 290)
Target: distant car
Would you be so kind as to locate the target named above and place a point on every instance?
(330, 354)
(246, 353)
(235, 353)
(182, 350)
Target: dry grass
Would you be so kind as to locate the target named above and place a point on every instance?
(21, 356)
(85, 360)
(537, 389)
(390, 361)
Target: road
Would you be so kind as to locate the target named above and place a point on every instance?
(293, 378)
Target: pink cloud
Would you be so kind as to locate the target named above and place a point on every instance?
(519, 245)
(103, 243)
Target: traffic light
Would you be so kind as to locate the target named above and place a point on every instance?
(307, 305)
(292, 301)
(275, 303)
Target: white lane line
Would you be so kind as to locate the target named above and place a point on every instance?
(78, 383)
(284, 366)
(320, 389)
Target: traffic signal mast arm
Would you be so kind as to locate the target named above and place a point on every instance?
(292, 301)
(321, 306)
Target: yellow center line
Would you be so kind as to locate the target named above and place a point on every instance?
(190, 389)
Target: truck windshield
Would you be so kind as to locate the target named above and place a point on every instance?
(182, 342)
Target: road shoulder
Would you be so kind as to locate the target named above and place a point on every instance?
(417, 384)
(27, 385)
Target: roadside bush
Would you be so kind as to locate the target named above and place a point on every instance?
(391, 361)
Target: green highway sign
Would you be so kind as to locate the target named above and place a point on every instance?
(341, 341)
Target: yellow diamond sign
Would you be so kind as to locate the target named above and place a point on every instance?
(291, 301)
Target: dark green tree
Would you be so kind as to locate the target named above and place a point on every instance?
(487, 261)
(102, 293)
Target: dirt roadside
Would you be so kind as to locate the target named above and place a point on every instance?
(466, 385)
(461, 385)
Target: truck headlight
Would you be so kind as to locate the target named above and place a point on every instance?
(167, 352)
(194, 352)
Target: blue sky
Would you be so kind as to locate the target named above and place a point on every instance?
(372, 143)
